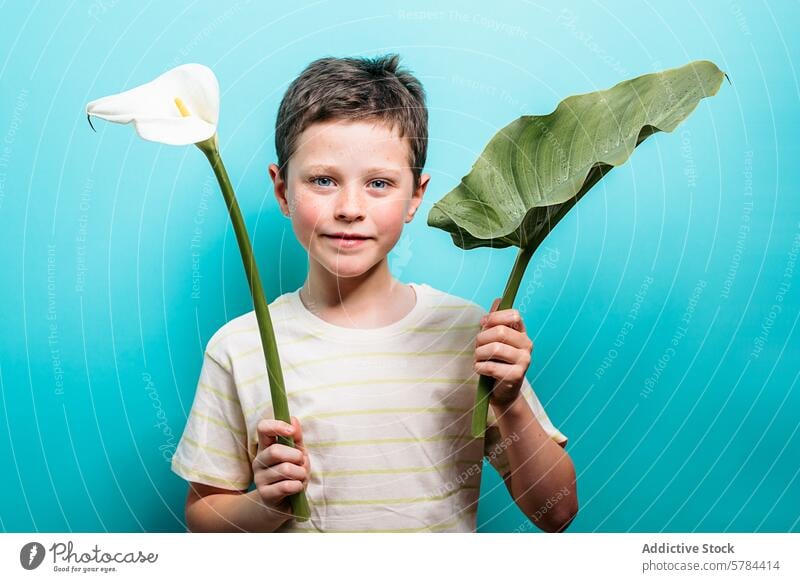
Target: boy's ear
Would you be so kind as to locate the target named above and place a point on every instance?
(416, 197)
(279, 187)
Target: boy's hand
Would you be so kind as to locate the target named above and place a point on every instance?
(280, 470)
(503, 338)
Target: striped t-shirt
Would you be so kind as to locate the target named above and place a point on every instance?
(385, 413)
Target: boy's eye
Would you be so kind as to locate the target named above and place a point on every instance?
(318, 179)
(324, 182)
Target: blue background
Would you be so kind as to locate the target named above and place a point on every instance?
(657, 347)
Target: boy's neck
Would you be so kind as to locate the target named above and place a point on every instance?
(374, 299)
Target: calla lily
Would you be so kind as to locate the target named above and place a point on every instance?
(181, 107)
(534, 170)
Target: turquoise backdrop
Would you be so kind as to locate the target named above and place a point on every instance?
(664, 309)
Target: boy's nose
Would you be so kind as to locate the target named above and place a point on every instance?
(349, 204)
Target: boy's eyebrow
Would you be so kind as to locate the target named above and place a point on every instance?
(377, 169)
(332, 169)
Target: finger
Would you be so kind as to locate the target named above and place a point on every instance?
(499, 352)
(505, 335)
(268, 429)
(509, 317)
(509, 373)
(298, 441)
(297, 435)
(495, 304)
(521, 325)
(275, 493)
(275, 455)
(284, 472)
(279, 453)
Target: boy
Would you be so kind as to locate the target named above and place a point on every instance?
(380, 375)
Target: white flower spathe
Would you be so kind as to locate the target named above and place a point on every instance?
(180, 107)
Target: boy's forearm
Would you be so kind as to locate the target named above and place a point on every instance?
(238, 512)
(542, 480)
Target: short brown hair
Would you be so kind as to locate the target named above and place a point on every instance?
(354, 88)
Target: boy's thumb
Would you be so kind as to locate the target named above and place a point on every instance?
(297, 434)
(495, 304)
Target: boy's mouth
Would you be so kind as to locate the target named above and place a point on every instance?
(346, 241)
(346, 236)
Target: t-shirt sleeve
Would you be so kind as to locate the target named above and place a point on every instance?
(213, 448)
(495, 449)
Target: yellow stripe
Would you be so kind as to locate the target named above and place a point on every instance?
(339, 357)
(259, 349)
(212, 449)
(229, 335)
(217, 392)
(391, 471)
(384, 411)
(220, 364)
(342, 357)
(236, 484)
(370, 382)
(253, 379)
(218, 422)
(362, 382)
(320, 444)
(208, 355)
(473, 327)
(300, 340)
(436, 527)
(392, 501)
(247, 330)
(250, 410)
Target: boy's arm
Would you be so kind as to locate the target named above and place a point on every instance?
(212, 509)
(542, 476)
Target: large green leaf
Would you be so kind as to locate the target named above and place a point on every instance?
(536, 168)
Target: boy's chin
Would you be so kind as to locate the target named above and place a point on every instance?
(349, 268)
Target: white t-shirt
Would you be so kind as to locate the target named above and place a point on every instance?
(385, 413)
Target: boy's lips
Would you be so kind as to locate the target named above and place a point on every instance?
(347, 235)
(347, 241)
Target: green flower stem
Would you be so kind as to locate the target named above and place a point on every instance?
(280, 405)
(485, 383)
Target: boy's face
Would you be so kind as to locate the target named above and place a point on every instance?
(349, 177)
